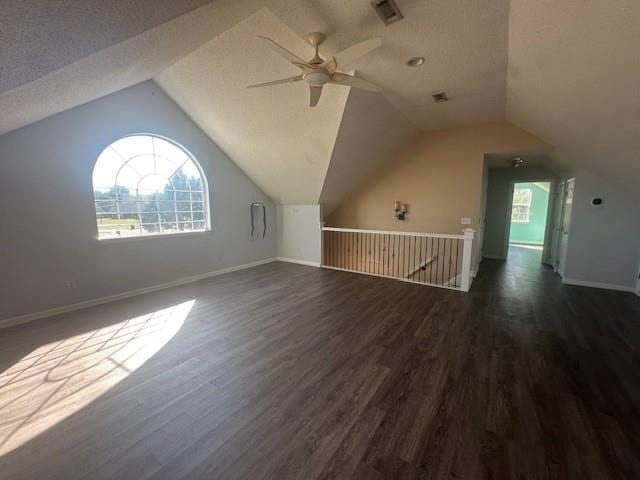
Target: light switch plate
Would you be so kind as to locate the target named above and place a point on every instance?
(465, 221)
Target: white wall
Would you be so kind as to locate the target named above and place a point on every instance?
(299, 233)
(48, 227)
(603, 241)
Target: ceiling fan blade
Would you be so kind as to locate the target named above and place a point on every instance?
(351, 81)
(283, 52)
(314, 95)
(297, 78)
(329, 64)
(305, 67)
(349, 55)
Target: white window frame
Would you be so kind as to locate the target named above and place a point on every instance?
(204, 192)
(521, 209)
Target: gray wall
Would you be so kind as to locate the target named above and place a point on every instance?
(299, 233)
(603, 241)
(48, 227)
(496, 229)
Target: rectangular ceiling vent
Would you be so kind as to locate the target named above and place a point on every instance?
(387, 10)
(440, 97)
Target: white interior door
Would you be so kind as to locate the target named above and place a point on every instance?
(566, 222)
(556, 226)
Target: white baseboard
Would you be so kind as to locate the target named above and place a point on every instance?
(300, 262)
(7, 322)
(606, 286)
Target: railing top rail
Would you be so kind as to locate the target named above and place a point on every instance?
(390, 232)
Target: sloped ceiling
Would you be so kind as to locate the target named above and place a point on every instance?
(574, 79)
(573, 74)
(121, 65)
(371, 130)
(101, 47)
(464, 44)
(270, 133)
(50, 35)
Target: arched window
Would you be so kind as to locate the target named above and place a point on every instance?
(147, 185)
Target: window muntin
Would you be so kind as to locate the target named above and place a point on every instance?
(146, 185)
(521, 209)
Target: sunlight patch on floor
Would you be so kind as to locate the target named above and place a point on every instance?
(56, 380)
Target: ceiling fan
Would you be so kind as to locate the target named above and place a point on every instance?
(319, 71)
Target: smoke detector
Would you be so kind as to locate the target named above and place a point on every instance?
(387, 10)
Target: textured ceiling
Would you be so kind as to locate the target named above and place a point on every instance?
(464, 43)
(122, 65)
(271, 133)
(574, 79)
(40, 36)
(284, 146)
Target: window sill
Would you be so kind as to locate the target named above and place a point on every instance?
(149, 237)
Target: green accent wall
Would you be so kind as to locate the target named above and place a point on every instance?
(532, 232)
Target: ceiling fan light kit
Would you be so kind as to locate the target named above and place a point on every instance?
(317, 79)
(319, 71)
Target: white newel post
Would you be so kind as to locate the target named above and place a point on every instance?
(467, 249)
(322, 259)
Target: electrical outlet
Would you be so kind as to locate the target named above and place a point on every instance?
(71, 284)
(465, 221)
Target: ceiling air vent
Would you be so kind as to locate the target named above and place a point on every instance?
(387, 10)
(440, 97)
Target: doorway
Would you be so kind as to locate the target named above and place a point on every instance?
(564, 223)
(528, 220)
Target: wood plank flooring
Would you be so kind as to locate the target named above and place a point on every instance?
(285, 371)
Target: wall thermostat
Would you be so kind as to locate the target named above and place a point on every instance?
(596, 201)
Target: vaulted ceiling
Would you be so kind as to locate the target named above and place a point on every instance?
(270, 133)
(38, 37)
(568, 72)
(574, 80)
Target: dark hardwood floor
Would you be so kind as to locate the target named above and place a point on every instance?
(285, 371)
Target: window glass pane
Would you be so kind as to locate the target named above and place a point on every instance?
(522, 196)
(129, 147)
(127, 178)
(168, 150)
(105, 171)
(190, 169)
(147, 185)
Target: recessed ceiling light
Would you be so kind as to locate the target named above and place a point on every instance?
(415, 61)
